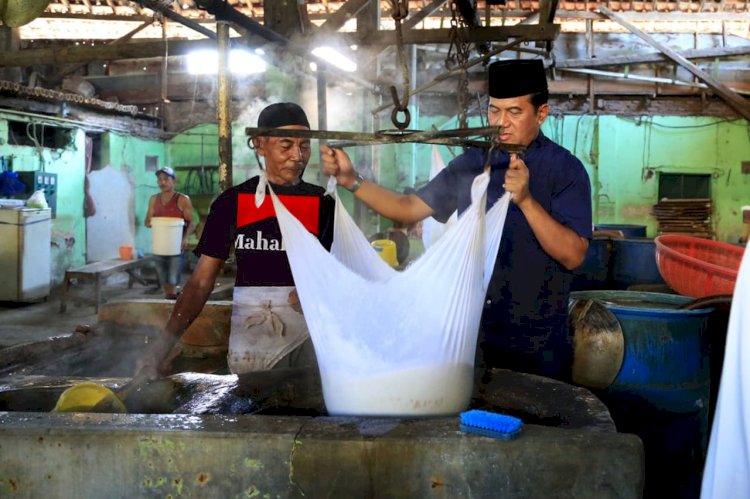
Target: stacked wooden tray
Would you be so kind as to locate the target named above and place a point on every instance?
(691, 217)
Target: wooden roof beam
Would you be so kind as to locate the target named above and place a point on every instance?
(427, 11)
(350, 9)
(736, 102)
(712, 53)
(474, 35)
(109, 52)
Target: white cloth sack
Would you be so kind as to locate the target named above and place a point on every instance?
(432, 230)
(727, 470)
(388, 342)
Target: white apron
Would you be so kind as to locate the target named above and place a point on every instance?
(265, 329)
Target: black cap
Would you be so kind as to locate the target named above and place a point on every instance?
(282, 114)
(516, 77)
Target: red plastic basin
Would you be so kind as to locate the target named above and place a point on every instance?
(698, 267)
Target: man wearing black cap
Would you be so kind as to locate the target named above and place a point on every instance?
(267, 322)
(547, 230)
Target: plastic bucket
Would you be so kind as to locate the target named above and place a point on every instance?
(126, 252)
(167, 235)
(387, 251)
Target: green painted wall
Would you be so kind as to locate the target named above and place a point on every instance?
(128, 154)
(617, 154)
(68, 237)
(630, 149)
(623, 157)
(122, 152)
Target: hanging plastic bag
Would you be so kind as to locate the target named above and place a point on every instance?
(37, 200)
(395, 343)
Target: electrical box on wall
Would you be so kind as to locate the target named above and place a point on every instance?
(41, 181)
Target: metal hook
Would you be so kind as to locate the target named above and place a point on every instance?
(398, 107)
(401, 125)
(399, 9)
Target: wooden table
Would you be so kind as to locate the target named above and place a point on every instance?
(97, 271)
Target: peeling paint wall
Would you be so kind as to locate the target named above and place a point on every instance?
(68, 237)
(128, 154)
(615, 152)
(124, 153)
(618, 154)
(672, 145)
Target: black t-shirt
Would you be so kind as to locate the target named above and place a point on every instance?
(255, 232)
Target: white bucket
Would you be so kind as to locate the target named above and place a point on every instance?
(166, 238)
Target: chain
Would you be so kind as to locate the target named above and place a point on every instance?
(450, 59)
(458, 55)
(399, 12)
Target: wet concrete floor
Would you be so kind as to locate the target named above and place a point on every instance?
(28, 322)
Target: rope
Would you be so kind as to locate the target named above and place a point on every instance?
(399, 12)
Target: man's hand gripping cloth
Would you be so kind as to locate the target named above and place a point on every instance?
(388, 342)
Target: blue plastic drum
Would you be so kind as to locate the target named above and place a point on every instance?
(627, 230)
(662, 390)
(594, 272)
(634, 262)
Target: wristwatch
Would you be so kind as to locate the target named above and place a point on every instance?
(357, 183)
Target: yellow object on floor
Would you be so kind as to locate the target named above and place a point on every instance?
(84, 397)
(387, 251)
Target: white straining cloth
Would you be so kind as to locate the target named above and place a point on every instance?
(389, 342)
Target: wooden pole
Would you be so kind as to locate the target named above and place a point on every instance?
(224, 108)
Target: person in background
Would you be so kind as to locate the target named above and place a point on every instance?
(169, 203)
(267, 322)
(547, 230)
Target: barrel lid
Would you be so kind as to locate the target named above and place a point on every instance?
(641, 302)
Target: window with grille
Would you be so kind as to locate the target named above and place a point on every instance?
(684, 186)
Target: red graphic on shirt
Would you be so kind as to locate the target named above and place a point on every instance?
(305, 208)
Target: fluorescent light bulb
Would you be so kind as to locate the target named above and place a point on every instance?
(335, 58)
(240, 62)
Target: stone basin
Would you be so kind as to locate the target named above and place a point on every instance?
(268, 435)
(278, 442)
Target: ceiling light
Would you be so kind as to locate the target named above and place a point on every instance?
(335, 58)
(240, 62)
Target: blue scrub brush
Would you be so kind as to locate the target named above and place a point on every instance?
(490, 424)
